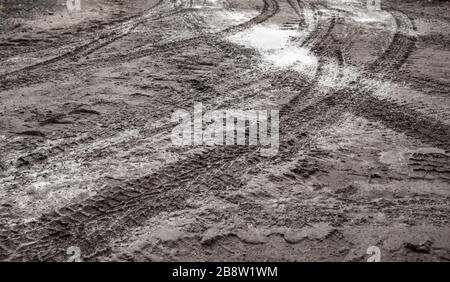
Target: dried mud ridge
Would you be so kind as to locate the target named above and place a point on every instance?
(92, 223)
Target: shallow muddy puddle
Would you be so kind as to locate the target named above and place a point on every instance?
(276, 47)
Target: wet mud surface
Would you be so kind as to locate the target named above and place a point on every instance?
(86, 158)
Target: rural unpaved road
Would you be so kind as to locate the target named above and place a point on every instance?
(85, 123)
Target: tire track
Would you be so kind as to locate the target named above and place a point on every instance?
(416, 82)
(91, 223)
(437, 87)
(10, 80)
(311, 18)
(105, 37)
(39, 155)
(402, 118)
(270, 8)
(401, 47)
(182, 100)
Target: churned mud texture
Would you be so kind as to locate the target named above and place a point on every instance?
(86, 158)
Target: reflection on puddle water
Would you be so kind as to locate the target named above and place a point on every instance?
(371, 17)
(299, 59)
(364, 19)
(276, 47)
(264, 37)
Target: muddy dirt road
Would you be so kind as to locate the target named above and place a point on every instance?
(87, 160)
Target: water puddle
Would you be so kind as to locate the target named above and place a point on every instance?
(265, 38)
(276, 47)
